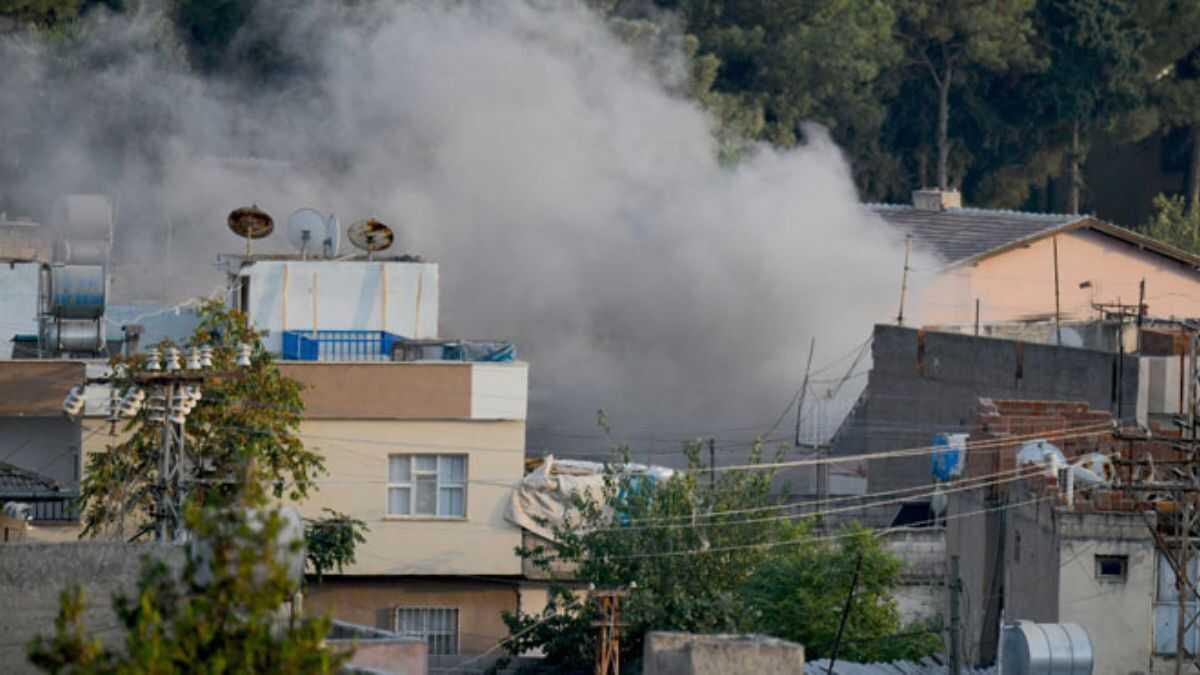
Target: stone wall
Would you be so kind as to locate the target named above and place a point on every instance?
(689, 654)
(34, 575)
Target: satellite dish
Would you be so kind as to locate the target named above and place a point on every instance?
(370, 235)
(305, 231)
(333, 236)
(250, 222)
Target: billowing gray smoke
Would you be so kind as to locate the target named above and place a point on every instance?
(573, 199)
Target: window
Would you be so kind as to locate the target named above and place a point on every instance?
(437, 626)
(1111, 567)
(427, 485)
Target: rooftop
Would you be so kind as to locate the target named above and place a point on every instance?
(965, 235)
(15, 480)
(962, 234)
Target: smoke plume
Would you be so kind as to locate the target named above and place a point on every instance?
(571, 195)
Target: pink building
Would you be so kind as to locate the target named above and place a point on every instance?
(1007, 262)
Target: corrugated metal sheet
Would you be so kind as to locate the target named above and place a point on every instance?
(927, 666)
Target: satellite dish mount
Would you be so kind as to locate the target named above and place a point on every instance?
(250, 223)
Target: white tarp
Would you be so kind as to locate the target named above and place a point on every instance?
(542, 501)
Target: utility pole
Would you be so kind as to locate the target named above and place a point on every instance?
(1141, 308)
(837, 641)
(175, 391)
(1057, 304)
(904, 279)
(954, 586)
(712, 462)
(976, 317)
(608, 647)
(812, 346)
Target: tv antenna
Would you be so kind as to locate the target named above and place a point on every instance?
(250, 222)
(305, 227)
(370, 235)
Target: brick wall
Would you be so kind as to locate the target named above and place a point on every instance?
(1023, 421)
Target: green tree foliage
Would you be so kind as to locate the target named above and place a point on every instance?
(789, 63)
(224, 612)
(1095, 72)
(693, 546)
(241, 437)
(951, 39)
(800, 593)
(330, 541)
(41, 13)
(1174, 223)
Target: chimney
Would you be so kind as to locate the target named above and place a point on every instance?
(931, 199)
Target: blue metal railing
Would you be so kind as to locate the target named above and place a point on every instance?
(338, 345)
(377, 345)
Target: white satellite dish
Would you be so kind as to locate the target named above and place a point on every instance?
(306, 231)
(333, 236)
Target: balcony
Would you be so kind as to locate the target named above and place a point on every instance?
(378, 345)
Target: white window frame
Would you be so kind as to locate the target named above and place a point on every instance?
(440, 484)
(426, 614)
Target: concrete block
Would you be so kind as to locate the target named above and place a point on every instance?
(668, 653)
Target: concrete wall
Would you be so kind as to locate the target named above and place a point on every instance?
(18, 297)
(368, 600)
(378, 651)
(398, 297)
(1019, 284)
(690, 654)
(32, 576)
(921, 595)
(411, 390)
(1117, 616)
(924, 383)
(356, 456)
(973, 533)
(1032, 559)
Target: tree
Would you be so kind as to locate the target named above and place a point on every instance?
(222, 612)
(1094, 74)
(789, 63)
(1173, 72)
(330, 541)
(800, 595)
(695, 546)
(242, 435)
(950, 39)
(41, 13)
(1174, 223)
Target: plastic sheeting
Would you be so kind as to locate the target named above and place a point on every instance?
(947, 457)
(543, 500)
(1044, 454)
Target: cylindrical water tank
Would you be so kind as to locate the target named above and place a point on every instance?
(1046, 649)
(77, 291)
(74, 335)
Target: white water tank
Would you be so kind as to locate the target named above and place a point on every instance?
(1046, 649)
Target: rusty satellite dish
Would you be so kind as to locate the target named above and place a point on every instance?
(370, 235)
(250, 223)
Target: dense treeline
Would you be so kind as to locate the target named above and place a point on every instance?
(1003, 100)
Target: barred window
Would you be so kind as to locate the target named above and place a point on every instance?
(438, 626)
(427, 485)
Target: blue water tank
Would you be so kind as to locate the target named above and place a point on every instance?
(77, 291)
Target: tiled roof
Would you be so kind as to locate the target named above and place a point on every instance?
(15, 480)
(960, 234)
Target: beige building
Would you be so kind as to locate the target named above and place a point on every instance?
(427, 454)
(1019, 266)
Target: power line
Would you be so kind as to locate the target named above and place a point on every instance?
(802, 540)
